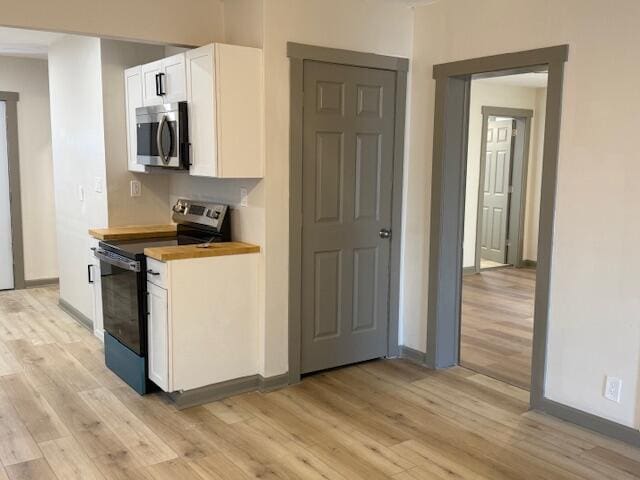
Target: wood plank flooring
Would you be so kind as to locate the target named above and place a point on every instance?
(497, 324)
(64, 416)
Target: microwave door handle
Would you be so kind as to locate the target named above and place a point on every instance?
(163, 156)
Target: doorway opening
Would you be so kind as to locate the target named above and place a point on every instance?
(451, 128)
(504, 156)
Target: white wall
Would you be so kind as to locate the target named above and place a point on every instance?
(364, 25)
(496, 95)
(153, 205)
(77, 128)
(187, 22)
(29, 77)
(593, 320)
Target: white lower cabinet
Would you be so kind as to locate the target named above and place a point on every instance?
(203, 327)
(158, 335)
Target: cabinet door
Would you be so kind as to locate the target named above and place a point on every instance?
(133, 100)
(149, 92)
(158, 336)
(175, 83)
(201, 102)
(94, 279)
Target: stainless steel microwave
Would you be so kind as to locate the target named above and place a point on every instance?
(162, 134)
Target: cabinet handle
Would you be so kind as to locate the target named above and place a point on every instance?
(89, 273)
(151, 272)
(160, 84)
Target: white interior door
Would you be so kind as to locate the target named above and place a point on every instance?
(6, 249)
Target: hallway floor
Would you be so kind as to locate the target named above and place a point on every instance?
(497, 324)
(64, 416)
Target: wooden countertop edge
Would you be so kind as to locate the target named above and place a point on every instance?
(185, 252)
(133, 232)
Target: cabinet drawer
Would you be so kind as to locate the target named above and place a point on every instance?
(157, 272)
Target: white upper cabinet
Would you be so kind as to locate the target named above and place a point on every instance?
(225, 102)
(133, 100)
(164, 81)
(223, 87)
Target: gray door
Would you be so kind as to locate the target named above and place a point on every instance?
(495, 205)
(347, 183)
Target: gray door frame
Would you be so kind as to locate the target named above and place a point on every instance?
(298, 54)
(451, 125)
(11, 100)
(519, 195)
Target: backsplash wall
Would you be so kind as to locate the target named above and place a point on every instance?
(247, 223)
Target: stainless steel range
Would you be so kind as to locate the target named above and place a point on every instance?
(124, 285)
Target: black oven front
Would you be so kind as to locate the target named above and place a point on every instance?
(124, 299)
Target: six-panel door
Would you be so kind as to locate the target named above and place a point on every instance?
(495, 206)
(347, 189)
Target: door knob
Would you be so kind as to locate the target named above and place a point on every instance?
(385, 233)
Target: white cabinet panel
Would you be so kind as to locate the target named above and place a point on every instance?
(149, 93)
(133, 100)
(201, 102)
(175, 85)
(158, 336)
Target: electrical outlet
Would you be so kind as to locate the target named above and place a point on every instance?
(98, 184)
(613, 389)
(136, 188)
(244, 198)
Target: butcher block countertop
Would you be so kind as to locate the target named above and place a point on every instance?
(133, 232)
(182, 252)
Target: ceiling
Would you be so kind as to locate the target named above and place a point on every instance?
(16, 42)
(532, 80)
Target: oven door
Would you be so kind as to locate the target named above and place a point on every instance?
(123, 300)
(160, 135)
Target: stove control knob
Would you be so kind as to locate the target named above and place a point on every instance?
(180, 207)
(213, 214)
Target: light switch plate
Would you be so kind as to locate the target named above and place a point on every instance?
(613, 389)
(98, 184)
(136, 188)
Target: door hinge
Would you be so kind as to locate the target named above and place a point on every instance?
(514, 132)
(510, 189)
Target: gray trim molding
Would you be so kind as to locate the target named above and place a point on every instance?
(346, 57)
(590, 421)
(15, 202)
(298, 54)
(229, 388)
(529, 263)
(504, 63)
(76, 314)
(40, 282)
(413, 355)
(447, 201)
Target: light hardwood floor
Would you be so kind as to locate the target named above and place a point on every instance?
(497, 324)
(64, 416)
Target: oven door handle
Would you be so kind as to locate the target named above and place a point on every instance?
(117, 260)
